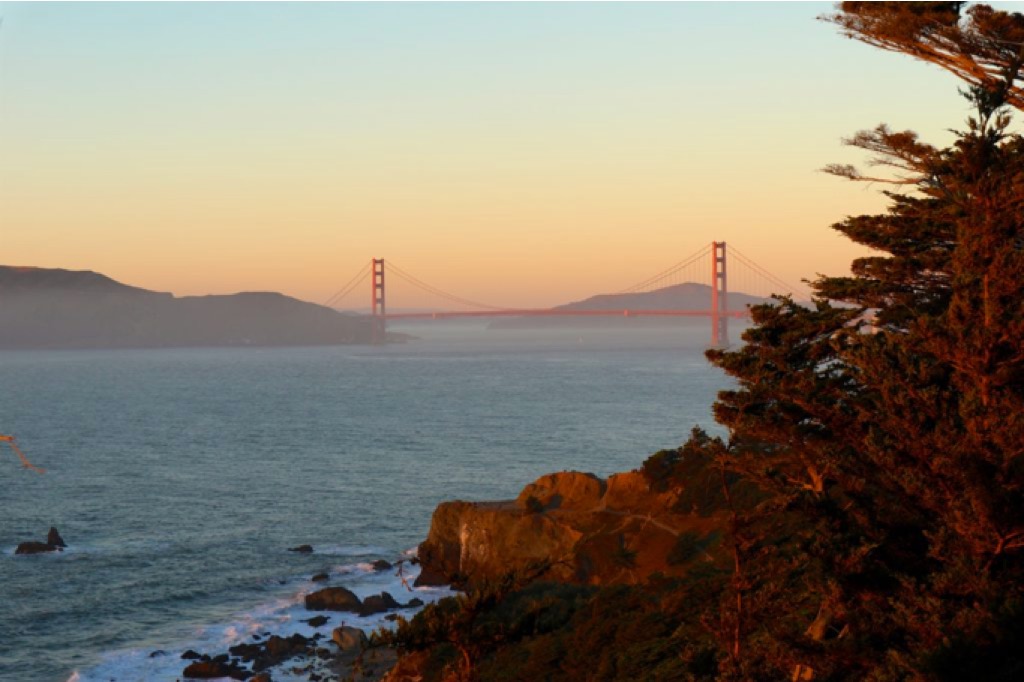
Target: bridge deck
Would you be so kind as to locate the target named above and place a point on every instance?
(554, 312)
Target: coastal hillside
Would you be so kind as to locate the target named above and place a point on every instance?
(580, 578)
(686, 296)
(44, 308)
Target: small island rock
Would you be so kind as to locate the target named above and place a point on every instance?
(33, 547)
(333, 599)
(54, 538)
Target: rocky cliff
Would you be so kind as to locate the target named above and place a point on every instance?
(618, 530)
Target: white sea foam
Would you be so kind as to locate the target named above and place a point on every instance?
(280, 616)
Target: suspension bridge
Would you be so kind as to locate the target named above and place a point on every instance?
(713, 264)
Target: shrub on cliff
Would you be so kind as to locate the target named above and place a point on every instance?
(552, 631)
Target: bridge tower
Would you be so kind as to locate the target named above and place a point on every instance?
(378, 331)
(719, 297)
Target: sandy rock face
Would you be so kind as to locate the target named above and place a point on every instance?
(564, 490)
(591, 530)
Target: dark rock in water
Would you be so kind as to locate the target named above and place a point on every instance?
(36, 548)
(281, 646)
(222, 658)
(157, 653)
(54, 538)
(381, 565)
(391, 617)
(211, 670)
(302, 549)
(316, 621)
(190, 656)
(246, 652)
(415, 602)
(378, 603)
(261, 677)
(320, 577)
(333, 599)
(274, 651)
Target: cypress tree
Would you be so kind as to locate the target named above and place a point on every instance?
(887, 420)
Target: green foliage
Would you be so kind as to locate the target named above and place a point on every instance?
(552, 631)
(691, 545)
(694, 473)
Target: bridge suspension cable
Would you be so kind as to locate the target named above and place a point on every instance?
(695, 258)
(402, 274)
(772, 279)
(348, 288)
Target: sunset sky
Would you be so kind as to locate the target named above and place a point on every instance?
(520, 154)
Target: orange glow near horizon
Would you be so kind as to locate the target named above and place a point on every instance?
(431, 137)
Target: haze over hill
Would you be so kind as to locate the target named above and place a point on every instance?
(686, 296)
(48, 308)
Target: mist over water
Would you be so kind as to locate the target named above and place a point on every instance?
(179, 478)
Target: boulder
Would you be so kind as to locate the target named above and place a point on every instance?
(261, 677)
(36, 548)
(277, 649)
(317, 621)
(211, 670)
(564, 490)
(333, 599)
(302, 549)
(54, 538)
(247, 652)
(414, 603)
(320, 577)
(378, 603)
(190, 656)
(349, 638)
(382, 565)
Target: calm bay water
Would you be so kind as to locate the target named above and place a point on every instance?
(179, 478)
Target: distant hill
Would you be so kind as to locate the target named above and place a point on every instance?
(46, 308)
(687, 296)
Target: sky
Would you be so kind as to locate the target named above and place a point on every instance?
(519, 154)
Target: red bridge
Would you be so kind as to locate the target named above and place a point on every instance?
(708, 264)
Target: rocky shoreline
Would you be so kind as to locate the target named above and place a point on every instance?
(335, 651)
(583, 530)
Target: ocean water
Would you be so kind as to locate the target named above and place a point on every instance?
(180, 477)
